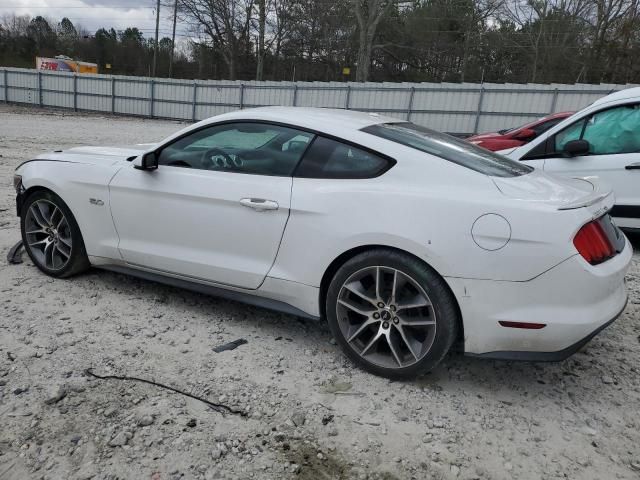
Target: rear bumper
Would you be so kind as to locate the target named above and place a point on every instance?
(556, 356)
(574, 300)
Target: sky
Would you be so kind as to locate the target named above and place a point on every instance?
(94, 14)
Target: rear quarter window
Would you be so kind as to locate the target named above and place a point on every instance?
(449, 148)
(327, 158)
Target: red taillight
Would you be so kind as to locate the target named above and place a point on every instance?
(593, 244)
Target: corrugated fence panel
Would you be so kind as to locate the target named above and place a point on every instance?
(94, 93)
(4, 88)
(429, 97)
(206, 111)
(313, 94)
(379, 100)
(173, 99)
(448, 107)
(23, 86)
(218, 94)
(57, 90)
(445, 122)
(255, 95)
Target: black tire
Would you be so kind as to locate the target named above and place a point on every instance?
(443, 304)
(77, 261)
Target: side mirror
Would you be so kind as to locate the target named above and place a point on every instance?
(575, 148)
(148, 161)
(525, 135)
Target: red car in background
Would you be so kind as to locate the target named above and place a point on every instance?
(516, 137)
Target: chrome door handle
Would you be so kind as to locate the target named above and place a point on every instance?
(259, 204)
(633, 166)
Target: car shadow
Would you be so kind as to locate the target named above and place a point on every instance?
(485, 374)
(634, 238)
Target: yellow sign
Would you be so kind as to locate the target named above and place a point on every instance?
(346, 71)
(108, 65)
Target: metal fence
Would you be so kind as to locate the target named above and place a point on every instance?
(449, 107)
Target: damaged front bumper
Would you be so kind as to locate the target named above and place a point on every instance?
(17, 184)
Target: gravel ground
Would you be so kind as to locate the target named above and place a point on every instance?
(305, 411)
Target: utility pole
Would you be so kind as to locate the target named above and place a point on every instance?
(262, 21)
(155, 49)
(173, 36)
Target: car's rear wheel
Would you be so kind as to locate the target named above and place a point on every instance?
(51, 235)
(391, 313)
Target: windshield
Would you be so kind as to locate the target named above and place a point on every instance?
(449, 148)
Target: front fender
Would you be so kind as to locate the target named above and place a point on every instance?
(76, 184)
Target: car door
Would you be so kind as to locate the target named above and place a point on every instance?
(215, 208)
(613, 137)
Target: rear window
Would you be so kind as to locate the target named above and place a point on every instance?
(449, 148)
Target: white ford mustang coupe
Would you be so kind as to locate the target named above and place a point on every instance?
(404, 239)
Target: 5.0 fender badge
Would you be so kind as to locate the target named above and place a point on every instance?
(96, 201)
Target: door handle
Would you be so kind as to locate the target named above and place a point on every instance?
(259, 204)
(633, 166)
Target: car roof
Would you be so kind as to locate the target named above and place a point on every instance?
(327, 120)
(626, 94)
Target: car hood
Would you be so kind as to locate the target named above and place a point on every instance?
(97, 155)
(485, 136)
(507, 151)
(562, 193)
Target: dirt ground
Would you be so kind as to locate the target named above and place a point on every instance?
(307, 413)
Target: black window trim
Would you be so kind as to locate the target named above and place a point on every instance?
(550, 142)
(316, 133)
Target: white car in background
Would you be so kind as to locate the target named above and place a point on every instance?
(601, 140)
(404, 239)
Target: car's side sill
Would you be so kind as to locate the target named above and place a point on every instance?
(234, 295)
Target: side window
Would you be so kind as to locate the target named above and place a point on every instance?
(253, 148)
(572, 132)
(330, 159)
(609, 131)
(543, 127)
(614, 131)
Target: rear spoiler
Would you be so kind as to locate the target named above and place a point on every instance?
(598, 195)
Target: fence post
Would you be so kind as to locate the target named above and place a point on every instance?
(39, 88)
(113, 94)
(554, 101)
(6, 86)
(193, 101)
(346, 102)
(295, 94)
(152, 88)
(75, 92)
(241, 96)
(479, 111)
(410, 106)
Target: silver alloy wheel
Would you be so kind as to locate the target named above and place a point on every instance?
(386, 317)
(48, 234)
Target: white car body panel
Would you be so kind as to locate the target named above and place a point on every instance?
(76, 184)
(189, 225)
(226, 243)
(610, 168)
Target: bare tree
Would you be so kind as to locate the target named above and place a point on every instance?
(368, 14)
(226, 23)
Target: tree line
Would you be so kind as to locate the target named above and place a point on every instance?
(519, 41)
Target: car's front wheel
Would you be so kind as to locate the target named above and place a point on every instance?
(51, 235)
(391, 313)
